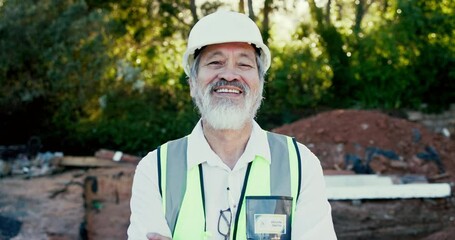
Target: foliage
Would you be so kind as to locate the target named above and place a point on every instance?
(401, 65)
(145, 121)
(86, 74)
(52, 63)
(299, 79)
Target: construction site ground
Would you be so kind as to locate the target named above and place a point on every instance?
(88, 203)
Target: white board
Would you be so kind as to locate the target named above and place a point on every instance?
(352, 187)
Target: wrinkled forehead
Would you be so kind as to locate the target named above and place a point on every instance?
(244, 50)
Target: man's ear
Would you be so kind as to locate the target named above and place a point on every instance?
(192, 87)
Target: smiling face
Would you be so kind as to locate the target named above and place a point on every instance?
(227, 88)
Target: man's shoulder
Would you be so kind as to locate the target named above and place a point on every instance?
(178, 140)
(277, 134)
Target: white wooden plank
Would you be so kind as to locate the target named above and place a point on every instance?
(357, 180)
(352, 187)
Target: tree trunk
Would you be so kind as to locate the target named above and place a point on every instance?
(266, 20)
(193, 11)
(359, 13)
(242, 6)
(251, 10)
(327, 11)
(333, 43)
(361, 10)
(385, 6)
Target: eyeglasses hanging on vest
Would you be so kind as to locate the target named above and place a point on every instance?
(224, 223)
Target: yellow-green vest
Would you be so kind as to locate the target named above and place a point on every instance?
(182, 189)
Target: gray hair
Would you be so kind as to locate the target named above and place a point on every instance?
(195, 67)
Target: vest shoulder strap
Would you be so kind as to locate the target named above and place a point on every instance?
(285, 158)
(172, 176)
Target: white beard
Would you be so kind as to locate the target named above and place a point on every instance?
(224, 113)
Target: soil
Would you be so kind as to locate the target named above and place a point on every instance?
(346, 141)
(392, 145)
(355, 141)
(42, 208)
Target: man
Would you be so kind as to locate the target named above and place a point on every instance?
(220, 181)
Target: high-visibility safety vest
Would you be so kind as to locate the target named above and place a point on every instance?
(182, 189)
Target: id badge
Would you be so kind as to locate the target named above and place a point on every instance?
(268, 217)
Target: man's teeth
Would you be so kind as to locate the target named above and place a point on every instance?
(224, 90)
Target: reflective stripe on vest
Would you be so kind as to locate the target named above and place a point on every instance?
(182, 189)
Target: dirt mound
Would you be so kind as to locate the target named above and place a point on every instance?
(373, 142)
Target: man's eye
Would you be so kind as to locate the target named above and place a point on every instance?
(215, 63)
(245, 65)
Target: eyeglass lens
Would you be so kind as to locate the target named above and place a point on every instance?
(224, 226)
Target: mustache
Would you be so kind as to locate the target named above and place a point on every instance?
(234, 83)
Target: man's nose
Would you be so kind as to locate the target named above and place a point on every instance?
(229, 74)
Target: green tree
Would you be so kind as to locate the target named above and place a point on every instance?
(52, 63)
(386, 54)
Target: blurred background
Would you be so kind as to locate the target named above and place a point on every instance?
(367, 85)
(85, 74)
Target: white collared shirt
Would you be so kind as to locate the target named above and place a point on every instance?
(312, 219)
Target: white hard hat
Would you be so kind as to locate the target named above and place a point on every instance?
(223, 27)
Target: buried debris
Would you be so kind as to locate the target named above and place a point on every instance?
(9, 227)
(103, 158)
(19, 160)
(116, 156)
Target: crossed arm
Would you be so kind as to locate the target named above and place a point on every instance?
(156, 236)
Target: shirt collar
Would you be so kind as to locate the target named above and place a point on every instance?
(199, 150)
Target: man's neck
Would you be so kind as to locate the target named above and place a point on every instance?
(229, 145)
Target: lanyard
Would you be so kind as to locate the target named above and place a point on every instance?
(240, 203)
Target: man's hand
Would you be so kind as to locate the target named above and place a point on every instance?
(156, 236)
